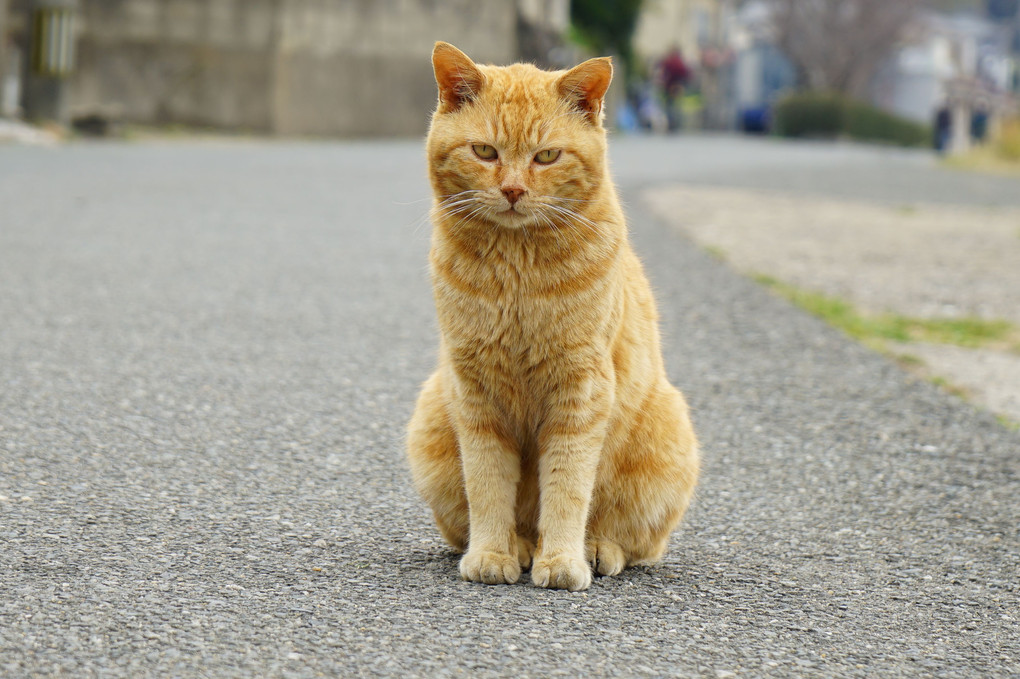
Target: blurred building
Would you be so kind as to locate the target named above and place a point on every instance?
(965, 62)
(701, 29)
(294, 67)
(948, 57)
(688, 24)
(762, 73)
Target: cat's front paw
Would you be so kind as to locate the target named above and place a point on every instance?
(561, 571)
(492, 568)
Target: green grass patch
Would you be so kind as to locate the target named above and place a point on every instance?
(964, 332)
(1008, 423)
(983, 160)
(908, 361)
(1000, 155)
(943, 383)
(717, 253)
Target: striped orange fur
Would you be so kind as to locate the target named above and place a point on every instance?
(549, 436)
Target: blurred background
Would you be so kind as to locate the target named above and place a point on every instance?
(940, 73)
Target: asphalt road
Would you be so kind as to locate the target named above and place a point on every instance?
(208, 352)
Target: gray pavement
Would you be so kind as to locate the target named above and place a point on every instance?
(208, 352)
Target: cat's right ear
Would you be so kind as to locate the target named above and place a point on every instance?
(458, 78)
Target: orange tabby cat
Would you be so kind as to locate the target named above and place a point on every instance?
(549, 435)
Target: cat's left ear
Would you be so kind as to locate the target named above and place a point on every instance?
(585, 86)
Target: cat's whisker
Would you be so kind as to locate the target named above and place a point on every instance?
(479, 209)
(585, 222)
(547, 221)
(425, 219)
(572, 217)
(465, 219)
(556, 232)
(403, 203)
(455, 200)
(558, 199)
(454, 210)
(551, 221)
(451, 205)
(461, 207)
(455, 203)
(575, 217)
(524, 228)
(575, 214)
(447, 196)
(490, 212)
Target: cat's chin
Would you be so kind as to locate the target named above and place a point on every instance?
(513, 219)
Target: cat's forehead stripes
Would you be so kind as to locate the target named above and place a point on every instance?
(521, 104)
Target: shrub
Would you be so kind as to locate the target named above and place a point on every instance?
(808, 115)
(829, 116)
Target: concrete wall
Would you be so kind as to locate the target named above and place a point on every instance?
(190, 61)
(364, 67)
(319, 67)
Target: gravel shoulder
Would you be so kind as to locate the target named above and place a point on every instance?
(921, 260)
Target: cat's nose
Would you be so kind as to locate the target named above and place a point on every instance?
(513, 193)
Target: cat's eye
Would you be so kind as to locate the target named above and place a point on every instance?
(484, 151)
(547, 156)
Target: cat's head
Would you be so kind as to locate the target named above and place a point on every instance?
(516, 146)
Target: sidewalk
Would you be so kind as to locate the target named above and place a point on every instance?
(15, 131)
(916, 260)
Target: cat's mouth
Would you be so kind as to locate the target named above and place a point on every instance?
(513, 217)
(512, 214)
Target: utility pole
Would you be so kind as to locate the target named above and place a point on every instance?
(51, 41)
(715, 60)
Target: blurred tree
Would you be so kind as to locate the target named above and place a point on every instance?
(607, 26)
(839, 45)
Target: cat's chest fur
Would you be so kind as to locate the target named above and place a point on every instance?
(522, 320)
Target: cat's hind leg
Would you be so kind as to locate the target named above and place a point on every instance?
(434, 457)
(645, 485)
(525, 552)
(606, 557)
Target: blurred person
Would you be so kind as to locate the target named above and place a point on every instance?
(943, 128)
(641, 111)
(979, 126)
(674, 74)
(649, 111)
